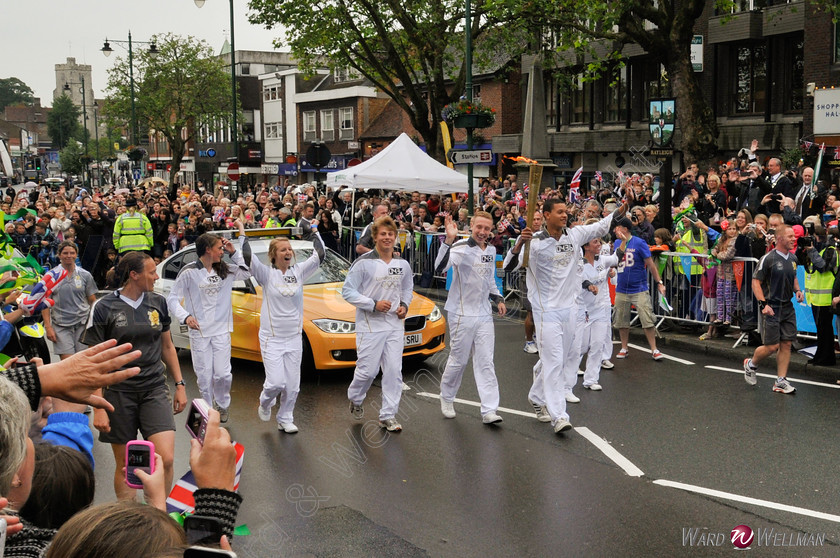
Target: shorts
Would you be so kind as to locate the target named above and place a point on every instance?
(643, 306)
(149, 412)
(68, 339)
(781, 326)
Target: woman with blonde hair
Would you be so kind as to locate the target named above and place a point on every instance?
(281, 322)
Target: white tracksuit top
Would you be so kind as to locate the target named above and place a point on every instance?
(281, 314)
(370, 280)
(553, 276)
(473, 280)
(206, 296)
(597, 307)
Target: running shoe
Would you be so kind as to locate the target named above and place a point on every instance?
(530, 348)
(657, 355)
(357, 411)
(391, 425)
(783, 386)
(541, 412)
(622, 353)
(562, 425)
(749, 373)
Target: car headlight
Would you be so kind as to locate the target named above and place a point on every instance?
(335, 326)
(435, 315)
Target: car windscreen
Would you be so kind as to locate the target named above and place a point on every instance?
(332, 270)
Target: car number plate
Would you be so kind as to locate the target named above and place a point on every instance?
(413, 339)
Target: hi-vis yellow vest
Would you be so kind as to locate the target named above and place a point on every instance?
(686, 244)
(818, 285)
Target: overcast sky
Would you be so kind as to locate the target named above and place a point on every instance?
(38, 34)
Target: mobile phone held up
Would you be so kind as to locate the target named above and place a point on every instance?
(204, 552)
(202, 530)
(197, 419)
(139, 454)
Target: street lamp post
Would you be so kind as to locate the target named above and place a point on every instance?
(85, 132)
(98, 158)
(234, 129)
(107, 50)
(469, 87)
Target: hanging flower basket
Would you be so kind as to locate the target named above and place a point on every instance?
(464, 114)
(136, 154)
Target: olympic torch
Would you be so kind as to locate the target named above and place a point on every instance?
(534, 180)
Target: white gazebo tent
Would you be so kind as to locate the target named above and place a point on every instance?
(401, 166)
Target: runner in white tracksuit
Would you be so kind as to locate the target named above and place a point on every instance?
(553, 281)
(380, 286)
(470, 317)
(205, 287)
(281, 322)
(593, 318)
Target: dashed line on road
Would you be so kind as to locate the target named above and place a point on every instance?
(773, 377)
(669, 357)
(747, 500)
(600, 443)
(475, 404)
(610, 452)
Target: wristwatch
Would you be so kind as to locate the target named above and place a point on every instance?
(180, 383)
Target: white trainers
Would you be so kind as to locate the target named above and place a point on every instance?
(593, 387)
(287, 427)
(783, 386)
(265, 414)
(572, 398)
(447, 408)
(749, 373)
(607, 365)
(581, 372)
(491, 418)
(391, 425)
(562, 425)
(530, 348)
(357, 411)
(541, 412)
(406, 387)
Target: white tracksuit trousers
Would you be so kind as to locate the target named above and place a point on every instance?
(211, 362)
(471, 335)
(593, 339)
(374, 350)
(554, 333)
(281, 359)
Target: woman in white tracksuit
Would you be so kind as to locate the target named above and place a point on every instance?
(281, 323)
(205, 287)
(593, 319)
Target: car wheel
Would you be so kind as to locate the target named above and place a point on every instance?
(307, 363)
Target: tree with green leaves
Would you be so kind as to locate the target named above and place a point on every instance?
(177, 90)
(14, 92)
(72, 158)
(63, 122)
(587, 33)
(410, 50)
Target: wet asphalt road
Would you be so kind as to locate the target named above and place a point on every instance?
(441, 487)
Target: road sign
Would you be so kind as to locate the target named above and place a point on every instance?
(233, 171)
(211, 152)
(318, 155)
(136, 174)
(474, 156)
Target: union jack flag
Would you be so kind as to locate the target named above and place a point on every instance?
(576, 178)
(598, 176)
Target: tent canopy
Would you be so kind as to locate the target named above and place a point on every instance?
(401, 166)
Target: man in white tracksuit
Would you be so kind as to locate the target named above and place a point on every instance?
(593, 318)
(380, 286)
(281, 322)
(205, 287)
(473, 264)
(553, 280)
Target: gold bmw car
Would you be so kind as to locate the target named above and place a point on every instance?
(329, 322)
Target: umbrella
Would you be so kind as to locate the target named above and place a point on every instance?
(122, 191)
(30, 184)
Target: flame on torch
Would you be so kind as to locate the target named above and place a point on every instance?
(521, 159)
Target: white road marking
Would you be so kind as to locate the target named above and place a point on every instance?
(669, 357)
(748, 500)
(596, 440)
(610, 451)
(773, 377)
(474, 404)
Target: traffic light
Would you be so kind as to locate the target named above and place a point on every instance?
(37, 163)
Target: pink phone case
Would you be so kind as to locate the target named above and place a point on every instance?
(131, 479)
(197, 417)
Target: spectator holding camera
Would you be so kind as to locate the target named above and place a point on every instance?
(821, 267)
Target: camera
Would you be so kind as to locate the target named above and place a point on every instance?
(805, 241)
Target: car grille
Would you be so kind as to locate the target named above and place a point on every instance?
(415, 323)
